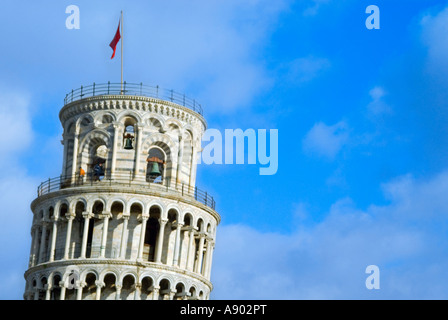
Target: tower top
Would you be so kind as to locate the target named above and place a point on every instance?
(132, 89)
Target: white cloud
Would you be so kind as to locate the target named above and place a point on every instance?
(314, 8)
(406, 239)
(17, 190)
(377, 106)
(17, 133)
(434, 30)
(302, 70)
(326, 141)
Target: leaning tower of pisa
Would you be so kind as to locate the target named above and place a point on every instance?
(125, 219)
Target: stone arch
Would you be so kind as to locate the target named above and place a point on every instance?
(97, 205)
(173, 207)
(84, 122)
(109, 278)
(89, 278)
(158, 205)
(147, 287)
(54, 279)
(135, 202)
(200, 224)
(89, 147)
(62, 207)
(105, 117)
(114, 201)
(128, 283)
(193, 292)
(121, 118)
(181, 292)
(155, 123)
(170, 150)
(74, 204)
(165, 285)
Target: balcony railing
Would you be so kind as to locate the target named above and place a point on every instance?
(184, 190)
(132, 89)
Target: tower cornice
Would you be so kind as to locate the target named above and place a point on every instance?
(134, 103)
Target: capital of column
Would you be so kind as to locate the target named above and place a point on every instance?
(116, 125)
(70, 215)
(34, 227)
(87, 215)
(105, 215)
(137, 285)
(100, 284)
(142, 218)
(45, 222)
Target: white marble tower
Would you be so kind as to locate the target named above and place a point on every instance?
(135, 226)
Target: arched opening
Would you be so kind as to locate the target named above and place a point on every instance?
(154, 125)
(89, 290)
(192, 293)
(151, 234)
(51, 213)
(128, 288)
(60, 241)
(97, 209)
(76, 236)
(71, 279)
(129, 133)
(155, 168)
(164, 291)
(180, 292)
(56, 289)
(147, 288)
(107, 118)
(99, 158)
(115, 230)
(109, 291)
(169, 236)
(41, 289)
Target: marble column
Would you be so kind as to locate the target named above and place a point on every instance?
(42, 241)
(70, 217)
(159, 246)
(53, 239)
(87, 217)
(177, 245)
(142, 237)
(106, 216)
(123, 237)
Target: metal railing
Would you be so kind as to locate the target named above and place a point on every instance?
(75, 181)
(132, 89)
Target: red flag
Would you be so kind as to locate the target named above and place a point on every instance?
(115, 41)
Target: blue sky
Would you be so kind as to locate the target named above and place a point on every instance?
(361, 116)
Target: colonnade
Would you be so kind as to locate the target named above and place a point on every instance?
(176, 241)
(67, 285)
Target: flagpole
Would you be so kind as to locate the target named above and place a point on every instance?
(122, 52)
